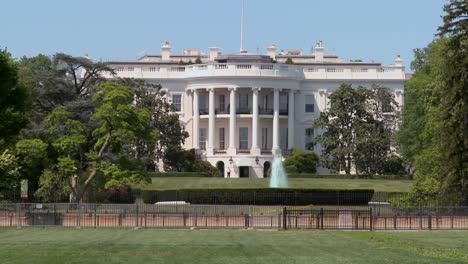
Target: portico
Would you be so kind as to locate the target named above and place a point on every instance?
(246, 104)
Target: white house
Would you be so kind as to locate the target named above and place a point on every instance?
(242, 109)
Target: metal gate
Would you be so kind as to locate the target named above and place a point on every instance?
(323, 218)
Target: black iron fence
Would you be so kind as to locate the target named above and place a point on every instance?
(377, 217)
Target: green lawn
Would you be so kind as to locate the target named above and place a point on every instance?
(159, 183)
(88, 246)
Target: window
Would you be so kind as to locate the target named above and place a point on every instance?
(283, 102)
(309, 135)
(264, 138)
(202, 138)
(221, 138)
(177, 102)
(265, 103)
(153, 69)
(222, 102)
(243, 104)
(283, 138)
(309, 103)
(203, 104)
(243, 100)
(243, 138)
(130, 69)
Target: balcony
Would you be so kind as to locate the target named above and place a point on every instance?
(203, 111)
(222, 111)
(244, 69)
(265, 111)
(340, 71)
(243, 110)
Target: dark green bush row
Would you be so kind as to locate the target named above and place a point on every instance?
(345, 176)
(179, 174)
(261, 196)
(290, 175)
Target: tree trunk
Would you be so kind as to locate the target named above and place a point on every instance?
(73, 193)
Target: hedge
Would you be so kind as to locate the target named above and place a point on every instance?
(290, 175)
(350, 176)
(178, 174)
(260, 196)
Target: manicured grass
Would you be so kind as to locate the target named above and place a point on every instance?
(110, 246)
(160, 183)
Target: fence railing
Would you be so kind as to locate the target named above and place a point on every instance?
(232, 216)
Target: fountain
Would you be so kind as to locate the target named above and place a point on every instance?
(278, 178)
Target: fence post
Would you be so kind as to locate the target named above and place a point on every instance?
(246, 221)
(18, 215)
(429, 223)
(420, 217)
(95, 216)
(371, 219)
(285, 212)
(321, 218)
(136, 215)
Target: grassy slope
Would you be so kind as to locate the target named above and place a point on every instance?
(205, 183)
(229, 246)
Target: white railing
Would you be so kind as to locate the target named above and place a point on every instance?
(258, 69)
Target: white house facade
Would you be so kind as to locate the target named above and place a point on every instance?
(243, 109)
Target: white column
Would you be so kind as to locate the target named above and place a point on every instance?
(211, 122)
(255, 150)
(196, 121)
(232, 122)
(291, 119)
(275, 149)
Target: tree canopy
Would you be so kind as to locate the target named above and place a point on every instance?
(357, 129)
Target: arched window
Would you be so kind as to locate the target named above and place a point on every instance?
(266, 169)
(220, 167)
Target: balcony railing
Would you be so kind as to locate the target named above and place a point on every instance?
(265, 111)
(252, 69)
(203, 111)
(221, 111)
(243, 110)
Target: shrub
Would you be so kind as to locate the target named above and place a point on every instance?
(177, 174)
(181, 160)
(116, 195)
(261, 196)
(301, 162)
(349, 176)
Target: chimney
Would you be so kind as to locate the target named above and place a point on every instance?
(214, 52)
(165, 51)
(398, 61)
(318, 51)
(271, 51)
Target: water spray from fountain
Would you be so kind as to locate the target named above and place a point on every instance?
(278, 177)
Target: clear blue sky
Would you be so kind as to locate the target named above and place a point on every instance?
(361, 29)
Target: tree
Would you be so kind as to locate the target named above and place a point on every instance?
(435, 126)
(301, 162)
(117, 122)
(9, 171)
(165, 131)
(289, 61)
(14, 100)
(451, 84)
(33, 159)
(356, 132)
(198, 60)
